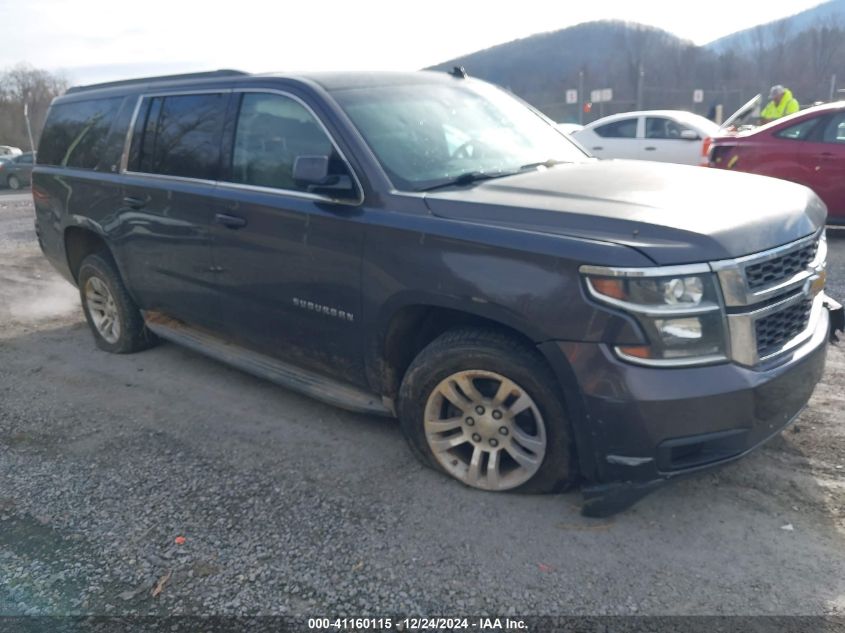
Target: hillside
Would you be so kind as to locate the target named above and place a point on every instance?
(802, 52)
(541, 67)
(826, 13)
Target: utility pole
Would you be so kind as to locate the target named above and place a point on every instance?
(582, 98)
(640, 78)
(28, 126)
(832, 87)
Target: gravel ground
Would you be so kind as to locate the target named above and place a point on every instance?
(289, 506)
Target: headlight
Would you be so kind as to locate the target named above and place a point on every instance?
(679, 309)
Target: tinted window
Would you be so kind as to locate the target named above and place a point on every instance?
(272, 130)
(25, 159)
(114, 144)
(659, 127)
(834, 131)
(627, 128)
(75, 133)
(180, 136)
(143, 142)
(799, 131)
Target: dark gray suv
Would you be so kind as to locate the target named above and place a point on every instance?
(426, 246)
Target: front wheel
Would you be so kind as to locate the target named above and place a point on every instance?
(484, 408)
(14, 183)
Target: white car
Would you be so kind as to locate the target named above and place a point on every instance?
(10, 152)
(669, 136)
(569, 128)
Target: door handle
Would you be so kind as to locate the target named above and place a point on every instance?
(650, 149)
(230, 221)
(134, 203)
(598, 148)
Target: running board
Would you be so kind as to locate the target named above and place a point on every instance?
(279, 372)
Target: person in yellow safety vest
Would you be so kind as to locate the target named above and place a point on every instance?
(781, 103)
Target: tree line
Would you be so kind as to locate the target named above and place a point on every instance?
(24, 87)
(650, 68)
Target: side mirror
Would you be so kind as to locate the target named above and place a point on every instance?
(311, 170)
(312, 173)
(690, 135)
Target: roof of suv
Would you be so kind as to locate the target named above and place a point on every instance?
(328, 80)
(366, 79)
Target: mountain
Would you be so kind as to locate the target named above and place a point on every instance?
(826, 13)
(542, 67)
(650, 68)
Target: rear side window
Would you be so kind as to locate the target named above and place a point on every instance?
(626, 128)
(75, 134)
(180, 136)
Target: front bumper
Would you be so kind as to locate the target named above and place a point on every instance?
(837, 318)
(644, 426)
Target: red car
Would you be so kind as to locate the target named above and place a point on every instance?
(807, 147)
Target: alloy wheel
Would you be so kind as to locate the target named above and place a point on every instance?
(103, 309)
(485, 430)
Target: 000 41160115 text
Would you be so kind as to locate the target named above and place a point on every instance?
(417, 624)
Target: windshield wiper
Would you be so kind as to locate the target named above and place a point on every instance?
(467, 178)
(551, 162)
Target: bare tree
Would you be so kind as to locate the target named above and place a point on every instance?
(638, 42)
(825, 45)
(778, 50)
(24, 86)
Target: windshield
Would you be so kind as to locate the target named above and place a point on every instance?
(426, 135)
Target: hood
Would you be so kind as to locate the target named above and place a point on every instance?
(673, 214)
(744, 111)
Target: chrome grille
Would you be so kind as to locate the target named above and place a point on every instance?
(772, 298)
(778, 269)
(777, 329)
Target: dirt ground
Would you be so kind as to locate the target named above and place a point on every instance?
(291, 506)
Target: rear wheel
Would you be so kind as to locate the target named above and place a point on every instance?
(14, 182)
(112, 315)
(484, 408)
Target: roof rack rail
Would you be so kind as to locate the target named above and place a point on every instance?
(225, 72)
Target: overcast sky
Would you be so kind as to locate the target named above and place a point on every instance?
(98, 40)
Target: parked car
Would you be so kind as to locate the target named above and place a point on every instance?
(423, 245)
(8, 150)
(16, 172)
(669, 136)
(807, 147)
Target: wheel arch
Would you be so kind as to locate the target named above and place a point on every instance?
(420, 322)
(79, 243)
(406, 327)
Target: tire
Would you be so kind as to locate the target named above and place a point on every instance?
(500, 370)
(14, 183)
(100, 286)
